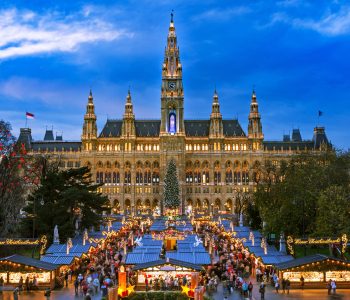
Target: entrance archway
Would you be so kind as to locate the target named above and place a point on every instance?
(116, 206)
(228, 206)
(127, 207)
(217, 206)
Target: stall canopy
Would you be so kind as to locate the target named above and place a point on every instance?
(314, 262)
(30, 262)
(195, 258)
(58, 260)
(163, 263)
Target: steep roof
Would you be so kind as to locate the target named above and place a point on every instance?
(112, 128)
(151, 128)
(197, 127)
(56, 146)
(278, 145)
(146, 128)
(232, 128)
(169, 261)
(28, 261)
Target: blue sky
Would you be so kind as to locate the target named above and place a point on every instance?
(295, 52)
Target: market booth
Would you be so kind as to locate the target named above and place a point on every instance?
(13, 267)
(316, 270)
(162, 268)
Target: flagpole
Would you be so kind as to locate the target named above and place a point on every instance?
(26, 121)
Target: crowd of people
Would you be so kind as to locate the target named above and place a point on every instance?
(232, 266)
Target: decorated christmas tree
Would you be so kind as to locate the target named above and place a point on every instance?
(171, 187)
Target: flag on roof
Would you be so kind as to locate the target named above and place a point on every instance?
(29, 115)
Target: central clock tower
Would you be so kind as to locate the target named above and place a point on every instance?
(172, 96)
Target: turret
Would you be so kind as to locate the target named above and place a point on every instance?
(320, 139)
(128, 127)
(255, 133)
(89, 136)
(216, 127)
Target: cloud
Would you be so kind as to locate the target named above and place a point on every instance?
(28, 33)
(222, 14)
(330, 24)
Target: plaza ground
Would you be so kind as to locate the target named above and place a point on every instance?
(320, 294)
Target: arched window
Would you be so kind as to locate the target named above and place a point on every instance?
(127, 173)
(217, 173)
(116, 177)
(108, 177)
(245, 173)
(147, 176)
(197, 173)
(205, 172)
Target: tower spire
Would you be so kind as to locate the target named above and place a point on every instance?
(89, 135)
(216, 126)
(172, 115)
(128, 106)
(128, 126)
(254, 123)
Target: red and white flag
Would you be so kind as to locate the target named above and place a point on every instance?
(29, 115)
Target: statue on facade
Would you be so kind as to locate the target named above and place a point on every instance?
(56, 237)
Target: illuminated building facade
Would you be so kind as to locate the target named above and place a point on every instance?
(215, 158)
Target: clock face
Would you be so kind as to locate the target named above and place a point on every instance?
(171, 85)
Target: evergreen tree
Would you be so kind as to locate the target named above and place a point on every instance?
(171, 187)
(62, 198)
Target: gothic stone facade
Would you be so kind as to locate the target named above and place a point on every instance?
(215, 158)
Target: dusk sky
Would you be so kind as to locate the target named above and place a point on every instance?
(295, 52)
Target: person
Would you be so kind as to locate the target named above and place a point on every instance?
(329, 286)
(66, 278)
(334, 286)
(302, 282)
(146, 283)
(96, 284)
(76, 286)
(87, 297)
(47, 293)
(15, 293)
(20, 285)
(288, 285)
(27, 283)
(245, 288)
(277, 286)
(1, 284)
(283, 285)
(262, 291)
(250, 290)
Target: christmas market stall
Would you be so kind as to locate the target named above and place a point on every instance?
(40, 273)
(158, 270)
(316, 270)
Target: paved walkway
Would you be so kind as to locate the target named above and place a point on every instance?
(321, 294)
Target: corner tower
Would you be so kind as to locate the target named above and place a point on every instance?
(89, 136)
(255, 133)
(216, 126)
(128, 127)
(172, 96)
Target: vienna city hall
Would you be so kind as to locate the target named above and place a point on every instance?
(216, 159)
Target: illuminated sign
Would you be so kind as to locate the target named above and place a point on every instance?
(26, 242)
(343, 240)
